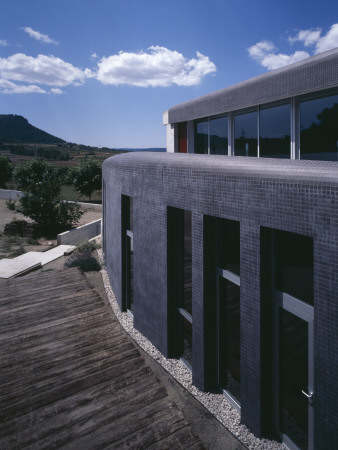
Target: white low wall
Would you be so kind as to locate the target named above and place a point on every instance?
(7, 194)
(79, 234)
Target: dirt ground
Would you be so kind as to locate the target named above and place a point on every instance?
(12, 246)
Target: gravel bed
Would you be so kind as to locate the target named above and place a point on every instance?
(217, 404)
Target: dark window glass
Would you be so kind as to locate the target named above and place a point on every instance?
(201, 137)
(229, 337)
(187, 264)
(218, 129)
(187, 346)
(228, 245)
(294, 265)
(246, 134)
(130, 273)
(131, 220)
(293, 377)
(274, 132)
(319, 129)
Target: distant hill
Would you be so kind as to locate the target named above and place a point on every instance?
(17, 129)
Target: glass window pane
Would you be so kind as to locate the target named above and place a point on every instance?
(274, 132)
(293, 377)
(130, 273)
(187, 263)
(319, 129)
(218, 129)
(294, 265)
(246, 134)
(201, 137)
(229, 335)
(187, 347)
(228, 245)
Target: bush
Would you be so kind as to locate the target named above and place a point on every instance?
(39, 183)
(87, 177)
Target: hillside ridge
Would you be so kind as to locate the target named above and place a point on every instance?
(16, 129)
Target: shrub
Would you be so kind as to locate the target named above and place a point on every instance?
(39, 183)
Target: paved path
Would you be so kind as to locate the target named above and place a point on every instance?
(71, 377)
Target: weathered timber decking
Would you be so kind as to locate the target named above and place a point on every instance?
(71, 377)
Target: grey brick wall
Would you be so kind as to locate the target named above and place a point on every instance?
(317, 73)
(296, 196)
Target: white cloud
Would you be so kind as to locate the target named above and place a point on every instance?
(329, 41)
(3, 43)
(39, 36)
(56, 91)
(308, 37)
(264, 52)
(46, 70)
(157, 67)
(7, 87)
(94, 56)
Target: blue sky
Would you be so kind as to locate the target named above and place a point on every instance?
(103, 72)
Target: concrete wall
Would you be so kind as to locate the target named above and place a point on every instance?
(296, 196)
(79, 234)
(7, 194)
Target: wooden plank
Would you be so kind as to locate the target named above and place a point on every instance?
(73, 386)
(15, 393)
(86, 413)
(59, 410)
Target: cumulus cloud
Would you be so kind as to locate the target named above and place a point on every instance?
(329, 41)
(7, 87)
(43, 69)
(158, 66)
(44, 38)
(267, 54)
(264, 52)
(308, 37)
(3, 43)
(56, 91)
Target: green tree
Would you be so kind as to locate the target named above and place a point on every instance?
(87, 177)
(6, 170)
(39, 183)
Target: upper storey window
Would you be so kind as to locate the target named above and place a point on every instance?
(246, 128)
(218, 131)
(319, 128)
(211, 136)
(274, 131)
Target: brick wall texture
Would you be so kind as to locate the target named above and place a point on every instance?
(296, 196)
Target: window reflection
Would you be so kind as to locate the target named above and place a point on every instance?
(201, 137)
(274, 132)
(294, 265)
(246, 134)
(319, 129)
(218, 129)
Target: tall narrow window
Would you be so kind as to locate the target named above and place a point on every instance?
(319, 129)
(290, 269)
(228, 308)
(274, 131)
(127, 253)
(218, 132)
(180, 283)
(201, 137)
(246, 129)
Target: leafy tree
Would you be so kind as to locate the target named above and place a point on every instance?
(6, 170)
(87, 177)
(39, 183)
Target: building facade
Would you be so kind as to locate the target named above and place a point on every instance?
(230, 262)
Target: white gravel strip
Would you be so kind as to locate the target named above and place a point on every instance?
(217, 404)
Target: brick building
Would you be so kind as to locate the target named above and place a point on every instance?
(228, 258)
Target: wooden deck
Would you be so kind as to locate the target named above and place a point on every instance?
(71, 377)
